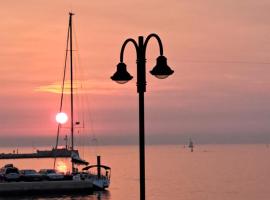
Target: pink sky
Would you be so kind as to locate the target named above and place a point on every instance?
(219, 51)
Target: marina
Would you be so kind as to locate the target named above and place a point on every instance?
(207, 170)
(80, 179)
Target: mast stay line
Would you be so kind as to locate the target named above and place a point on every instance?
(62, 89)
(68, 43)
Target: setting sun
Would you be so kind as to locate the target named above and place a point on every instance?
(61, 118)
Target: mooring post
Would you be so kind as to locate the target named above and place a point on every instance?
(98, 166)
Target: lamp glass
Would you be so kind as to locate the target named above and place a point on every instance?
(161, 76)
(122, 81)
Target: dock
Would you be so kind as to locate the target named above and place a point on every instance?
(54, 153)
(15, 188)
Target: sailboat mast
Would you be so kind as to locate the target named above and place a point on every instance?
(71, 82)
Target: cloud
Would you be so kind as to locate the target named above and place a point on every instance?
(56, 88)
(79, 87)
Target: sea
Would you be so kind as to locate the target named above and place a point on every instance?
(173, 172)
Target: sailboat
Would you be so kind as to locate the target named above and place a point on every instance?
(84, 180)
(191, 145)
(98, 180)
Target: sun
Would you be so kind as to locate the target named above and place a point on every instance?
(61, 118)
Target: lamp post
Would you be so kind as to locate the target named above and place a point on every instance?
(161, 71)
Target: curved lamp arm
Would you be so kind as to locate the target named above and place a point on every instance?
(124, 45)
(159, 42)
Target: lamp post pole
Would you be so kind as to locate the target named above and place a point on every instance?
(141, 88)
(161, 70)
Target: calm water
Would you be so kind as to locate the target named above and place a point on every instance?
(211, 172)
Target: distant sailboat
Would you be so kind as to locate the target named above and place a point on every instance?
(190, 145)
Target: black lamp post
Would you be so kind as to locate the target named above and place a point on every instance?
(161, 71)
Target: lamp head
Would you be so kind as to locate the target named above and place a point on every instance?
(161, 70)
(121, 75)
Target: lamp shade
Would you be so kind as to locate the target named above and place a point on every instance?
(121, 75)
(161, 70)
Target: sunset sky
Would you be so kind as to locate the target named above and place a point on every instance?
(219, 50)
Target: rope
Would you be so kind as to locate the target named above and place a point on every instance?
(62, 94)
(85, 105)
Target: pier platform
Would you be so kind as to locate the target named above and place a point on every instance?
(15, 188)
(54, 153)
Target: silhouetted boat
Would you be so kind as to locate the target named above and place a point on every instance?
(85, 181)
(190, 145)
